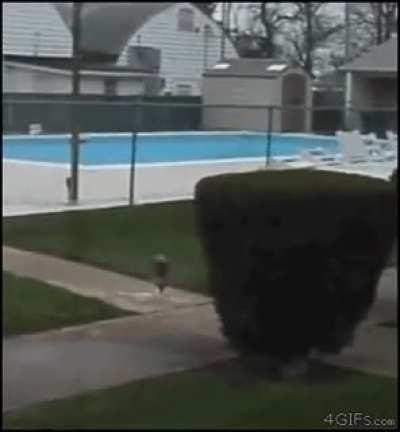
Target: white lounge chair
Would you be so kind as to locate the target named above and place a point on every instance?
(293, 161)
(387, 148)
(392, 142)
(319, 156)
(354, 149)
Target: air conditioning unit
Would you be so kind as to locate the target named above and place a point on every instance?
(144, 57)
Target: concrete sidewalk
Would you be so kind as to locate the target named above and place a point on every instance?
(62, 363)
(58, 364)
(125, 292)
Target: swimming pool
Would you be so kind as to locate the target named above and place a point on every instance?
(115, 149)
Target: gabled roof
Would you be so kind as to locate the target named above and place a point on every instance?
(248, 67)
(107, 27)
(380, 58)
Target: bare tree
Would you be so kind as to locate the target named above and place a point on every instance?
(271, 17)
(260, 39)
(206, 7)
(311, 28)
(378, 19)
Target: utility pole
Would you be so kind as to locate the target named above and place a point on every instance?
(76, 37)
(223, 25)
(349, 77)
(347, 31)
(228, 18)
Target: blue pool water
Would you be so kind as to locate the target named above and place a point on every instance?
(115, 149)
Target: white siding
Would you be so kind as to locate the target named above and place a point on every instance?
(183, 53)
(126, 87)
(24, 80)
(47, 82)
(21, 80)
(34, 29)
(92, 85)
(241, 91)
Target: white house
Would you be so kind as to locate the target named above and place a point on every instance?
(34, 29)
(189, 41)
(37, 58)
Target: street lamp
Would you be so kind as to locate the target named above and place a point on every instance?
(223, 26)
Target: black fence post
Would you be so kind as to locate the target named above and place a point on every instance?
(132, 169)
(269, 131)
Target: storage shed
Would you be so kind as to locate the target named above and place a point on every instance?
(248, 86)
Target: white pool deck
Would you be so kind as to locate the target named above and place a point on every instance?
(32, 188)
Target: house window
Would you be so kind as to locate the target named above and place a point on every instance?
(184, 89)
(110, 86)
(186, 20)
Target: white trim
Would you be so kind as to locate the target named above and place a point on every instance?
(115, 74)
(128, 134)
(369, 69)
(35, 67)
(89, 135)
(82, 72)
(8, 52)
(36, 163)
(108, 167)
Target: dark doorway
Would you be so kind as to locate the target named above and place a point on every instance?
(293, 94)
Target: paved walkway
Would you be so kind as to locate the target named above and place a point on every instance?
(125, 292)
(44, 190)
(177, 331)
(59, 364)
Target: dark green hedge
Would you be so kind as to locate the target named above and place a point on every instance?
(294, 256)
(393, 176)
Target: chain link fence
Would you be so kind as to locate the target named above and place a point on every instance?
(138, 150)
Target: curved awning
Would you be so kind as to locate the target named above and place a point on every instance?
(107, 27)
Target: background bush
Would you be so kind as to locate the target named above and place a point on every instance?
(393, 177)
(294, 256)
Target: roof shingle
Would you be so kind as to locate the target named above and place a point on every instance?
(380, 58)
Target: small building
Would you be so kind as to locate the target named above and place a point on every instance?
(371, 89)
(54, 76)
(248, 86)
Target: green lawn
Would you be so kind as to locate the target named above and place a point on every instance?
(228, 395)
(30, 306)
(120, 239)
